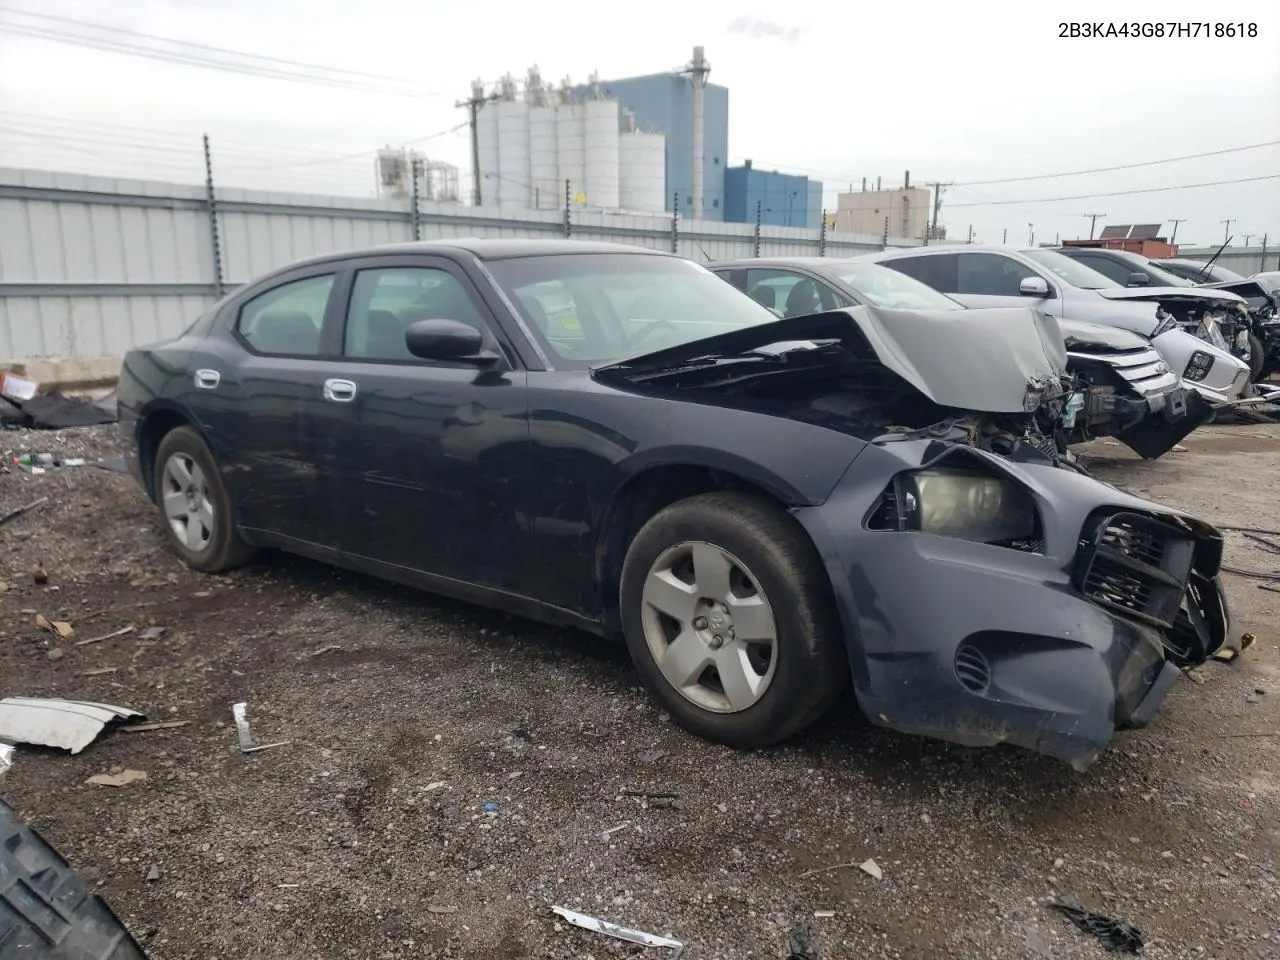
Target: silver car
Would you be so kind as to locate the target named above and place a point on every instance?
(989, 276)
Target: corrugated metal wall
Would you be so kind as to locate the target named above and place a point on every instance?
(95, 265)
(1244, 261)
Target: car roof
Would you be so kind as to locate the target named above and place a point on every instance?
(813, 262)
(938, 250)
(1128, 255)
(485, 248)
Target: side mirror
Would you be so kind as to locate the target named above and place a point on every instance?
(448, 340)
(1033, 287)
(1138, 280)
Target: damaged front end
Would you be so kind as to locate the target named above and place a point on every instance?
(989, 591)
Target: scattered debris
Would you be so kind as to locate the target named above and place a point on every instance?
(6, 758)
(1246, 640)
(42, 623)
(433, 786)
(834, 866)
(17, 388)
(158, 725)
(63, 629)
(116, 464)
(650, 795)
(57, 653)
(823, 914)
(14, 514)
(1267, 542)
(620, 933)
(153, 874)
(1252, 698)
(871, 868)
(437, 908)
(101, 671)
(242, 730)
(153, 633)
(66, 724)
(520, 733)
(1178, 448)
(800, 946)
(1112, 934)
(39, 574)
(651, 756)
(605, 835)
(106, 636)
(121, 779)
(490, 807)
(331, 648)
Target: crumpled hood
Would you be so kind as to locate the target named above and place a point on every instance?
(1170, 294)
(982, 360)
(1081, 336)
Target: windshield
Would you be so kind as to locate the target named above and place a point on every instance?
(1076, 274)
(884, 287)
(589, 309)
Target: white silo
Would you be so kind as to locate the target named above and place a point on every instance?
(571, 156)
(543, 152)
(601, 131)
(513, 149)
(642, 171)
(487, 148)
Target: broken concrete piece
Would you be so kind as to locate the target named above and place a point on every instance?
(63, 629)
(122, 779)
(153, 874)
(153, 633)
(871, 868)
(66, 724)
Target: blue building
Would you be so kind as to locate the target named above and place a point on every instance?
(663, 103)
(783, 200)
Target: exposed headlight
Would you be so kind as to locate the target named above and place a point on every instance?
(1198, 366)
(1166, 322)
(970, 506)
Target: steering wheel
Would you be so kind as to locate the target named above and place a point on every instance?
(647, 330)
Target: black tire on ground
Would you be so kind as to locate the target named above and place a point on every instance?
(225, 549)
(46, 911)
(1257, 358)
(812, 667)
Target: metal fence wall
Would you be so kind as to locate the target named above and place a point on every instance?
(1245, 261)
(95, 265)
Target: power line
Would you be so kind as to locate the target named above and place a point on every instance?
(1116, 193)
(1123, 166)
(194, 60)
(323, 68)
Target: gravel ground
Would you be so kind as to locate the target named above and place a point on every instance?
(367, 835)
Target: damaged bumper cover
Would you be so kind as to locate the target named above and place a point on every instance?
(1051, 644)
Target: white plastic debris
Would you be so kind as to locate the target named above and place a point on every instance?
(6, 758)
(242, 731)
(66, 724)
(620, 933)
(871, 868)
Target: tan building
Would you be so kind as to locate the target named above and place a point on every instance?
(864, 212)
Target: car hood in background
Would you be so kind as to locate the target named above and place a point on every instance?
(1255, 292)
(1168, 294)
(982, 360)
(1078, 334)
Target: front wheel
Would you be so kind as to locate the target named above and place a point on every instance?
(1257, 358)
(728, 616)
(194, 505)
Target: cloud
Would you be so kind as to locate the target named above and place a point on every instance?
(760, 29)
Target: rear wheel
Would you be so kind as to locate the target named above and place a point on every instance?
(728, 616)
(194, 505)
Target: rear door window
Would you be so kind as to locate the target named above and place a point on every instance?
(990, 274)
(286, 320)
(937, 271)
(1117, 271)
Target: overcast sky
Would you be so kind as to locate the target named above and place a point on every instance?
(962, 92)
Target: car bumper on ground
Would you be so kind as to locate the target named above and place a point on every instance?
(981, 645)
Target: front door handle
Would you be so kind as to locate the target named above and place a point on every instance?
(207, 379)
(340, 391)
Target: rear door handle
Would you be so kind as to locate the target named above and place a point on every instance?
(207, 379)
(340, 391)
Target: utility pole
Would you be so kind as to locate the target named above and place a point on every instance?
(970, 240)
(1093, 219)
(1004, 237)
(1226, 234)
(932, 232)
(1174, 238)
(1031, 234)
(477, 100)
(1247, 238)
(759, 213)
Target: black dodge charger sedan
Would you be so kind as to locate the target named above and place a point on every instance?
(765, 510)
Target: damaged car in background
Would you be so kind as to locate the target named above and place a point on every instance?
(766, 511)
(981, 276)
(1119, 385)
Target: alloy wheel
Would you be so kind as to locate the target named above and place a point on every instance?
(187, 505)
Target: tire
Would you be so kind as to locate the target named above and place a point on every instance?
(773, 574)
(46, 911)
(1257, 358)
(211, 543)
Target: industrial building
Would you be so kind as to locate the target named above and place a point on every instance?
(779, 199)
(541, 146)
(865, 211)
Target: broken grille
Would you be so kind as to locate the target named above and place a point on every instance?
(1137, 566)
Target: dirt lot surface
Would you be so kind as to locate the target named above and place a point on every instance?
(367, 835)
